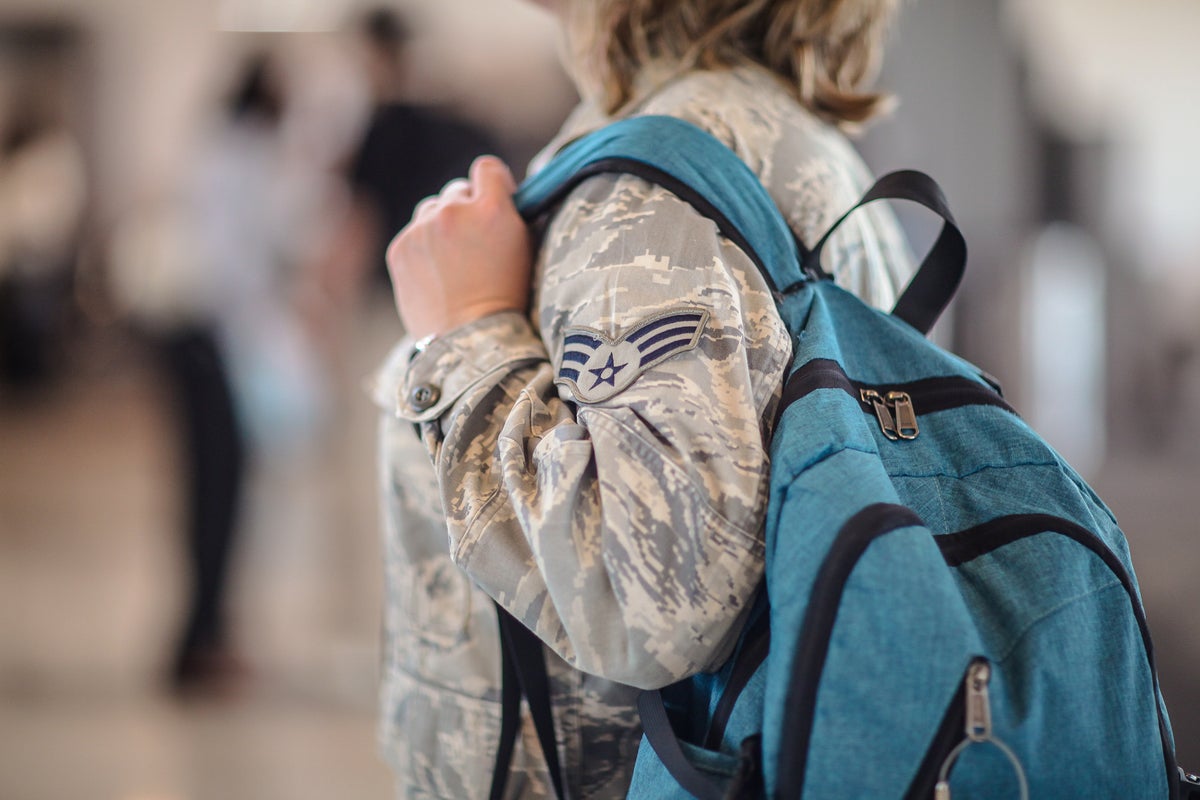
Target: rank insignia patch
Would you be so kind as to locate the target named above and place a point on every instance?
(596, 367)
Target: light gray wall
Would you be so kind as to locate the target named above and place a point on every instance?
(961, 118)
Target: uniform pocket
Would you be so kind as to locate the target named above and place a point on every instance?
(441, 598)
(441, 744)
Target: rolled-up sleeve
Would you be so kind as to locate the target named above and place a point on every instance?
(618, 510)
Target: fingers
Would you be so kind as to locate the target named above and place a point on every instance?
(423, 208)
(457, 190)
(490, 175)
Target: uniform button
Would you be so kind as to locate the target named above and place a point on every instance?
(424, 396)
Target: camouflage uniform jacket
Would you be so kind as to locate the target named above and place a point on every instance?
(600, 466)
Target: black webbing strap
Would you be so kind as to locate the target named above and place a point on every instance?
(933, 286)
(756, 643)
(661, 736)
(510, 722)
(656, 723)
(524, 674)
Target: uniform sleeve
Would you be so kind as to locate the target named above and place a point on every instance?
(604, 471)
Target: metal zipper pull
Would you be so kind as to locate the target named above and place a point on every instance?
(906, 415)
(978, 726)
(886, 423)
(979, 708)
(978, 729)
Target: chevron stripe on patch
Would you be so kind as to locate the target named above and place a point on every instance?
(596, 367)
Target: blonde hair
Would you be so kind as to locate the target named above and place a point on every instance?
(825, 51)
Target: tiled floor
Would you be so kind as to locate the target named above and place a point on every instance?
(90, 585)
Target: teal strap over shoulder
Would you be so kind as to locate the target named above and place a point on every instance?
(692, 164)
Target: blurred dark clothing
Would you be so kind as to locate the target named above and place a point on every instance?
(35, 314)
(214, 456)
(410, 152)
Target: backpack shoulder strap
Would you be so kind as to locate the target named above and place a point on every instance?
(701, 170)
(692, 164)
(524, 675)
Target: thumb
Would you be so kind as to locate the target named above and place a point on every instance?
(491, 175)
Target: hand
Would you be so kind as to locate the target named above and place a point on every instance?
(465, 254)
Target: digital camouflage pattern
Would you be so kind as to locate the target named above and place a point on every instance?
(623, 521)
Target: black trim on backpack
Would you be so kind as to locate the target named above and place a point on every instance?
(755, 646)
(800, 702)
(929, 395)
(661, 736)
(963, 546)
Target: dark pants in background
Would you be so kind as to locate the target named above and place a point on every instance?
(34, 315)
(214, 462)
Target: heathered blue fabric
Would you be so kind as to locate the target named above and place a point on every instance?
(1072, 690)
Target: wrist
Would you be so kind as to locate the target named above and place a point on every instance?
(471, 314)
(459, 318)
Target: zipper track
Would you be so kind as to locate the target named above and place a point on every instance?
(929, 394)
(964, 546)
(958, 548)
(949, 734)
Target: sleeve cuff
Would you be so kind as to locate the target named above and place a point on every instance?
(456, 361)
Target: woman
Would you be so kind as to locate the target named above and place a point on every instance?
(619, 517)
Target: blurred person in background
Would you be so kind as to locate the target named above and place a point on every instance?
(617, 515)
(211, 275)
(409, 150)
(43, 189)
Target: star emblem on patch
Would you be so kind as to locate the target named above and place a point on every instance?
(607, 373)
(596, 367)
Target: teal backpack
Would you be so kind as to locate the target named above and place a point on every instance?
(949, 610)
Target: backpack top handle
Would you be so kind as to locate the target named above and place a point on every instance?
(933, 285)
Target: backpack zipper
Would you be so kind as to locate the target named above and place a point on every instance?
(853, 539)
(949, 734)
(978, 730)
(894, 410)
(895, 406)
(963, 546)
